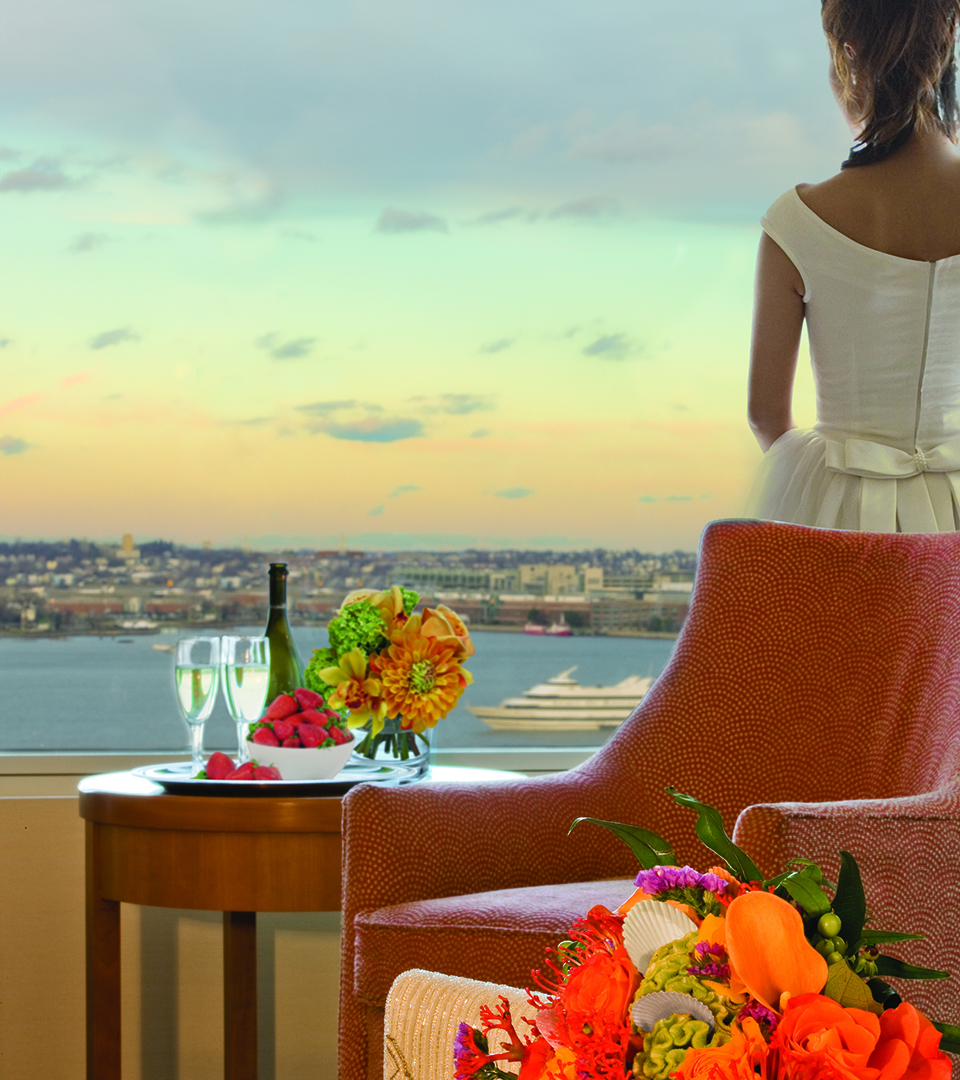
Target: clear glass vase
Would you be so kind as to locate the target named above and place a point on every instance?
(392, 745)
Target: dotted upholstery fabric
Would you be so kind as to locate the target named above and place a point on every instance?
(815, 667)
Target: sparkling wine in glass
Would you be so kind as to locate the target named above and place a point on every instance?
(246, 670)
(197, 674)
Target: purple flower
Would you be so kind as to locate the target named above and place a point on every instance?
(760, 1013)
(710, 962)
(660, 879)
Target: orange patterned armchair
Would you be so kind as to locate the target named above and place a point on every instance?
(813, 698)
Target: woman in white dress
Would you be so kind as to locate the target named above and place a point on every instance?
(871, 260)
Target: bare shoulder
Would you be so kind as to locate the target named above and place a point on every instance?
(843, 197)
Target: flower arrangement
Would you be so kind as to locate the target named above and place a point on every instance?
(718, 976)
(386, 664)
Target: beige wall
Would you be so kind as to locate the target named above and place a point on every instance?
(172, 975)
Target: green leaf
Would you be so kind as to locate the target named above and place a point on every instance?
(892, 968)
(651, 850)
(850, 903)
(713, 835)
(875, 937)
(847, 988)
(949, 1037)
(884, 993)
(807, 893)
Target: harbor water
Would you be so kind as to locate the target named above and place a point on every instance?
(117, 693)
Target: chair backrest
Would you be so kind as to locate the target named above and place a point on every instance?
(815, 665)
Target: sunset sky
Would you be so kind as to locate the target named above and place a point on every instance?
(417, 273)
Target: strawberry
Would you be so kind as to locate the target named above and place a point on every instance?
(266, 772)
(244, 772)
(312, 735)
(307, 699)
(330, 714)
(219, 766)
(311, 716)
(283, 729)
(282, 706)
(293, 743)
(338, 735)
(265, 737)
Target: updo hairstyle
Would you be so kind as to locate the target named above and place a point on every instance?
(896, 65)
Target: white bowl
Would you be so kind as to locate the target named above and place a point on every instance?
(302, 762)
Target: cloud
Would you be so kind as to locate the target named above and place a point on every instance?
(376, 511)
(5, 341)
(648, 499)
(253, 421)
(113, 337)
(403, 489)
(628, 140)
(42, 175)
(7, 153)
(610, 347)
(19, 403)
(591, 206)
(291, 349)
(9, 445)
(678, 498)
(401, 221)
(480, 433)
(75, 380)
(495, 217)
(324, 408)
(497, 346)
(514, 493)
(299, 234)
(457, 404)
(373, 429)
(87, 241)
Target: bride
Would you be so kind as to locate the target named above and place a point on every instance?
(871, 260)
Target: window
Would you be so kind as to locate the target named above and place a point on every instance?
(390, 277)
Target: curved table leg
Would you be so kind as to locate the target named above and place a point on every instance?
(240, 995)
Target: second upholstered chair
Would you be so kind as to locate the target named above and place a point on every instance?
(818, 675)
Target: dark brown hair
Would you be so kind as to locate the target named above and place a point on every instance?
(902, 74)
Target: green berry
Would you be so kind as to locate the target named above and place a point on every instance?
(829, 924)
(840, 945)
(825, 947)
(834, 958)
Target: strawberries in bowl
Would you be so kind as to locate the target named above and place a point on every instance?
(301, 737)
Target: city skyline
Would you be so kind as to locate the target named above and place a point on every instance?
(351, 274)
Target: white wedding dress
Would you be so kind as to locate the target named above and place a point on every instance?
(884, 337)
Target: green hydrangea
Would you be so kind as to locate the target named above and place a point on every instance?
(322, 658)
(358, 626)
(410, 599)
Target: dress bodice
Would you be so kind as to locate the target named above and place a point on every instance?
(884, 333)
(884, 336)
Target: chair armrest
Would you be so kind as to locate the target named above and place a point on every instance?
(907, 850)
(430, 840)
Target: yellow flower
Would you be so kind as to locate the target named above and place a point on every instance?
(449, 629)
(355, 691)
(421, 679)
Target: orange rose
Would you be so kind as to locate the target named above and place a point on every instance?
(735, 1060)
(449, 629)
(601, 987)
(909, 1046)
(818, 1036)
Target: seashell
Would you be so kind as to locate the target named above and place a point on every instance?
(650, 1008)
(650, 924)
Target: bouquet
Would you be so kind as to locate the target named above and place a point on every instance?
(386, 664)
(719, 976)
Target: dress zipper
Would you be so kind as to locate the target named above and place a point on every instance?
(923, 354)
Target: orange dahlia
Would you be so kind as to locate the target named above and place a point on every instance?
(421, 678)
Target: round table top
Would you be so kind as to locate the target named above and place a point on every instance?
(123, 798)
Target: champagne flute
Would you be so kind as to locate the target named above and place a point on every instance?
(197, 673)
(245, 665)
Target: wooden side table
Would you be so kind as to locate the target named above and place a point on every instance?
(235, 855)
(238, 855)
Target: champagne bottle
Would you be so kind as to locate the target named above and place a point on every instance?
(286, 666)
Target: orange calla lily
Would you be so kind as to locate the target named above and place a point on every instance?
(769, 952)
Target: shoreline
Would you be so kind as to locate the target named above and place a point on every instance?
(170, 628)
